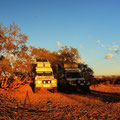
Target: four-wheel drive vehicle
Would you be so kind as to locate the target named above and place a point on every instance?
(69, 77)
(44, 76)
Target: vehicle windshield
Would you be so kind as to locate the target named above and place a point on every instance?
(73, 75)
(45, 74)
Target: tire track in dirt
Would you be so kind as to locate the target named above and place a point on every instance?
(97, 95)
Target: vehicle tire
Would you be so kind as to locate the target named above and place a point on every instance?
(36, 90)
(86, 90)
(54, 89)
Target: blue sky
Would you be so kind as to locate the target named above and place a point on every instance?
(91, 26)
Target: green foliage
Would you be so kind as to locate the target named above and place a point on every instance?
(86, 71)
(68, 54)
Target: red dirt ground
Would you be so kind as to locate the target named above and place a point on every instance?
(102, 104)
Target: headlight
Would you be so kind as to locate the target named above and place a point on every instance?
(38, 82)
(44, 81)
(48, 81)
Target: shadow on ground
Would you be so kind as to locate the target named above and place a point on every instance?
(32, 87)
(103, 96)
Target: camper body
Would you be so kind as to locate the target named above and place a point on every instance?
(69, 77)
(44, 77)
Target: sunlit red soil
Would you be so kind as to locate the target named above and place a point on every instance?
(106, 88)
(102, 104)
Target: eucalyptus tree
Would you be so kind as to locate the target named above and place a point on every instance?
(14, 57)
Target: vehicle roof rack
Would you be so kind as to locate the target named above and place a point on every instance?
(41, 60)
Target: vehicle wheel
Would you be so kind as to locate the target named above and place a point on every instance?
(36, 90)
(54, 89)
(86, 89)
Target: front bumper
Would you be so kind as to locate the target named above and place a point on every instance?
(79, 83)
(46, 83)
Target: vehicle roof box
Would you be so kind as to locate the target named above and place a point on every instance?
(70, 65)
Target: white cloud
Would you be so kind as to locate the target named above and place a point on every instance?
(98, 41)
(109, 56)
(115, 50)
(58, 44)
(102, 45)
(110, 49)
(115, 46)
